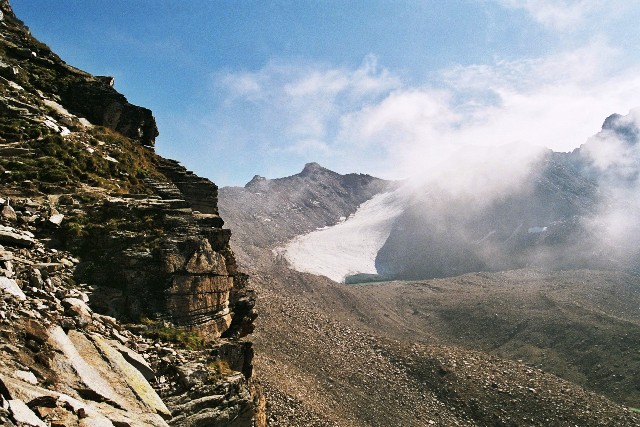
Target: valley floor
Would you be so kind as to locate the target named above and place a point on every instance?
(484, 349)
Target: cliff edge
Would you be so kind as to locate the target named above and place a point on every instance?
(120, 299)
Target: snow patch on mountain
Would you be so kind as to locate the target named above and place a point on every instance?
(349, 247)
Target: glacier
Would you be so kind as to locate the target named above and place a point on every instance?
(349, 247)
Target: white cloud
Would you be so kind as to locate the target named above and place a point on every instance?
(576, 17)
(556, 102)
(562, 15)
(367, 119)
(300, 105)
(246, 85)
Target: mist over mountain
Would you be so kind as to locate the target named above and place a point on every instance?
(465, 221)
(489, 209)
(567, 211)
(538, 224)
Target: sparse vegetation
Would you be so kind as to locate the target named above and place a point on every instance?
(166, 331)
(219, 369)
(15, 129)
(101, 158)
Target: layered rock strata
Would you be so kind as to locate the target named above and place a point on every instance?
(63, 364)
(94, 224)
(177, 264)
(185, 272)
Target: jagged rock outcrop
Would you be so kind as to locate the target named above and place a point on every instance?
(63, 363)
(189, 274)
(32, 66)
(200, 193)
(94, 224)
(60, 362)
(185, 272)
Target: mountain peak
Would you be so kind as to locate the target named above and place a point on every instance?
(311, 168)
(256, 180)
(625, 127)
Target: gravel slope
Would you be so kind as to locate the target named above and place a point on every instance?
(332, 354)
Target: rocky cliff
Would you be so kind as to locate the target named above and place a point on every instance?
(121, 303)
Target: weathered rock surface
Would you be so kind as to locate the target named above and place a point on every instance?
(100, 230)
(70, 366)
(10, 286)
(23, 414)
(9, 235)
(32, 67)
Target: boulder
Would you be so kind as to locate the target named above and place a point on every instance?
(11, 236)
(35, 278)
(23, 415)
(132, 376)
(88, 375)
(56, 219)
(89, 414)
(8, 213)
(26, 376)
(11, 287)
(78, 309)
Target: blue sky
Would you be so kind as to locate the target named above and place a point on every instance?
(261, 87)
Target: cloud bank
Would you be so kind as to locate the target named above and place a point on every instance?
(562, 15)
(614, 155)
(371, 119)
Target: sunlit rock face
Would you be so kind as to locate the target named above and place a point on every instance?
(100, 237)
(185, 273)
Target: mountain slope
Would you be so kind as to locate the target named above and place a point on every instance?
(555, 211)
(97, 230)
(407, 353)
(281, 209)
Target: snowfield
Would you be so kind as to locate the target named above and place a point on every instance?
(349, 247)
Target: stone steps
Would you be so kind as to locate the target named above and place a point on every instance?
(166, 190)
(201, 193)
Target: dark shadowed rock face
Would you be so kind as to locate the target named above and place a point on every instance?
(98, 102)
